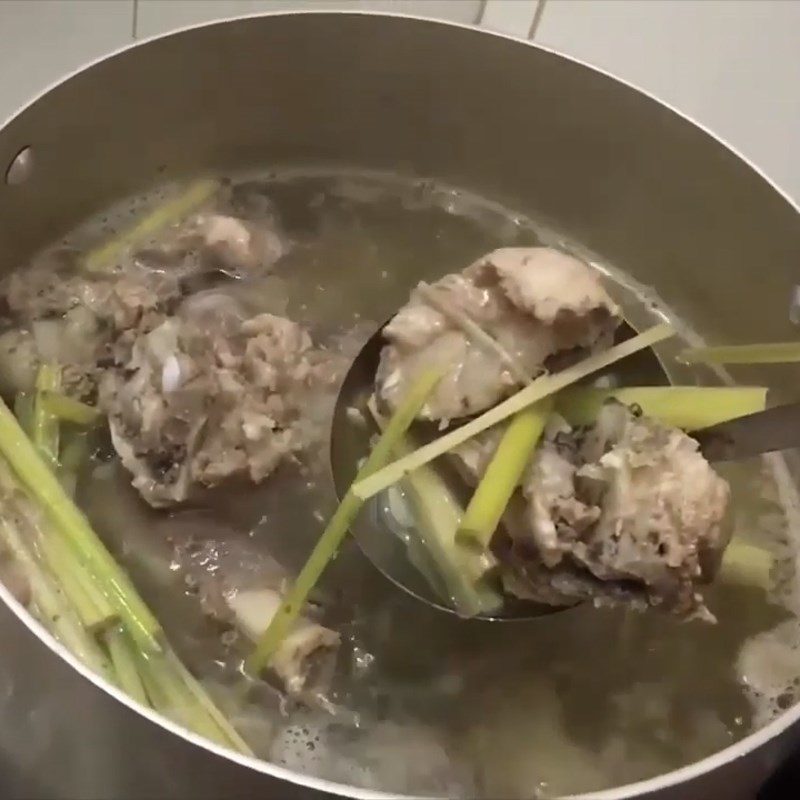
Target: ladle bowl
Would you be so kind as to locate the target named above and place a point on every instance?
(380, 541)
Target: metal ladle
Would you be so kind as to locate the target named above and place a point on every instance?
(349, 443)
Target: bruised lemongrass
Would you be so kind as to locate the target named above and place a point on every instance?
(45, 429)
(74, 454)
(91, 605)
(543, 387)
(172, 691)
(768, 353)
(502, 475)
(436, 515)
(125, 663)
(51, 604)
(747, 564)
(68, 520)
(68, 409)
(204, 702)
(106, 255)
(690, 408)
(474, 331)
(462, 572)
(23, 411)
(339, 524)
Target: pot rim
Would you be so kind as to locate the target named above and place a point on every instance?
(632, 790)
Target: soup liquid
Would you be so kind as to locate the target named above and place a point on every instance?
(423, 702)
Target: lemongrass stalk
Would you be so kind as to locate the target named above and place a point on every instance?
(688, 407)
(156, 696)
(502, 475)
(125, 663)
(74, 453)
(68, 409)
(747, 564)
(91, 605)
(543, 387)
(23, 411)
(106, 256)
(169, 695)
(770, 353)
(166, 678)
(205, 701)
(45, 425)
(474, 331)
(53, 607)
(436, 515)
(69, 521)
(339, 524)
(463, 572)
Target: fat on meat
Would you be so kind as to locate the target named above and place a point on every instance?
(543, 307)
(211, 394)
(627, 510)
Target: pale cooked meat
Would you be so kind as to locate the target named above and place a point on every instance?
(137, 293)
(120, 298)
(626, 510)
(209, 395)
(242, 587)
(300, 650)
(537, 303)
(241, 247)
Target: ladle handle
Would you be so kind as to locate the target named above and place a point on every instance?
(776, 428)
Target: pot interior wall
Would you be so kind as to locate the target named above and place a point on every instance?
(615, 171)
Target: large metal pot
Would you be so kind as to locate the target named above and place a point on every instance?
(615, 169)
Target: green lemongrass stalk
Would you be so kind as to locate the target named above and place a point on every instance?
(91, 605)
(543, 387)
(463, 573)
(68, 521)
(68, 409)
(137, 658)
(23, 411)
(437, 515)
(52, 605)
(769, 353)
(106, 256)
(502, 475)
(125, 663)
(339, 524)
(170, 695)
(691, 408)
(747, 564)
(74, 452)
(201, 696)
(45, 425)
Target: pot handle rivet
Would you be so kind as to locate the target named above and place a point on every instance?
(794, 306)
(20, 168)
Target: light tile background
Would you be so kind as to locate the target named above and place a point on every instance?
(733, 65)
(156, 16)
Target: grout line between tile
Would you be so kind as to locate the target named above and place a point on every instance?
(480, 12)
(537, 18)
(135, 19)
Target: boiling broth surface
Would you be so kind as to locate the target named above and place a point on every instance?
(423, 702)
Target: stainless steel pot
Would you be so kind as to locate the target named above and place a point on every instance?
(618, 171)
